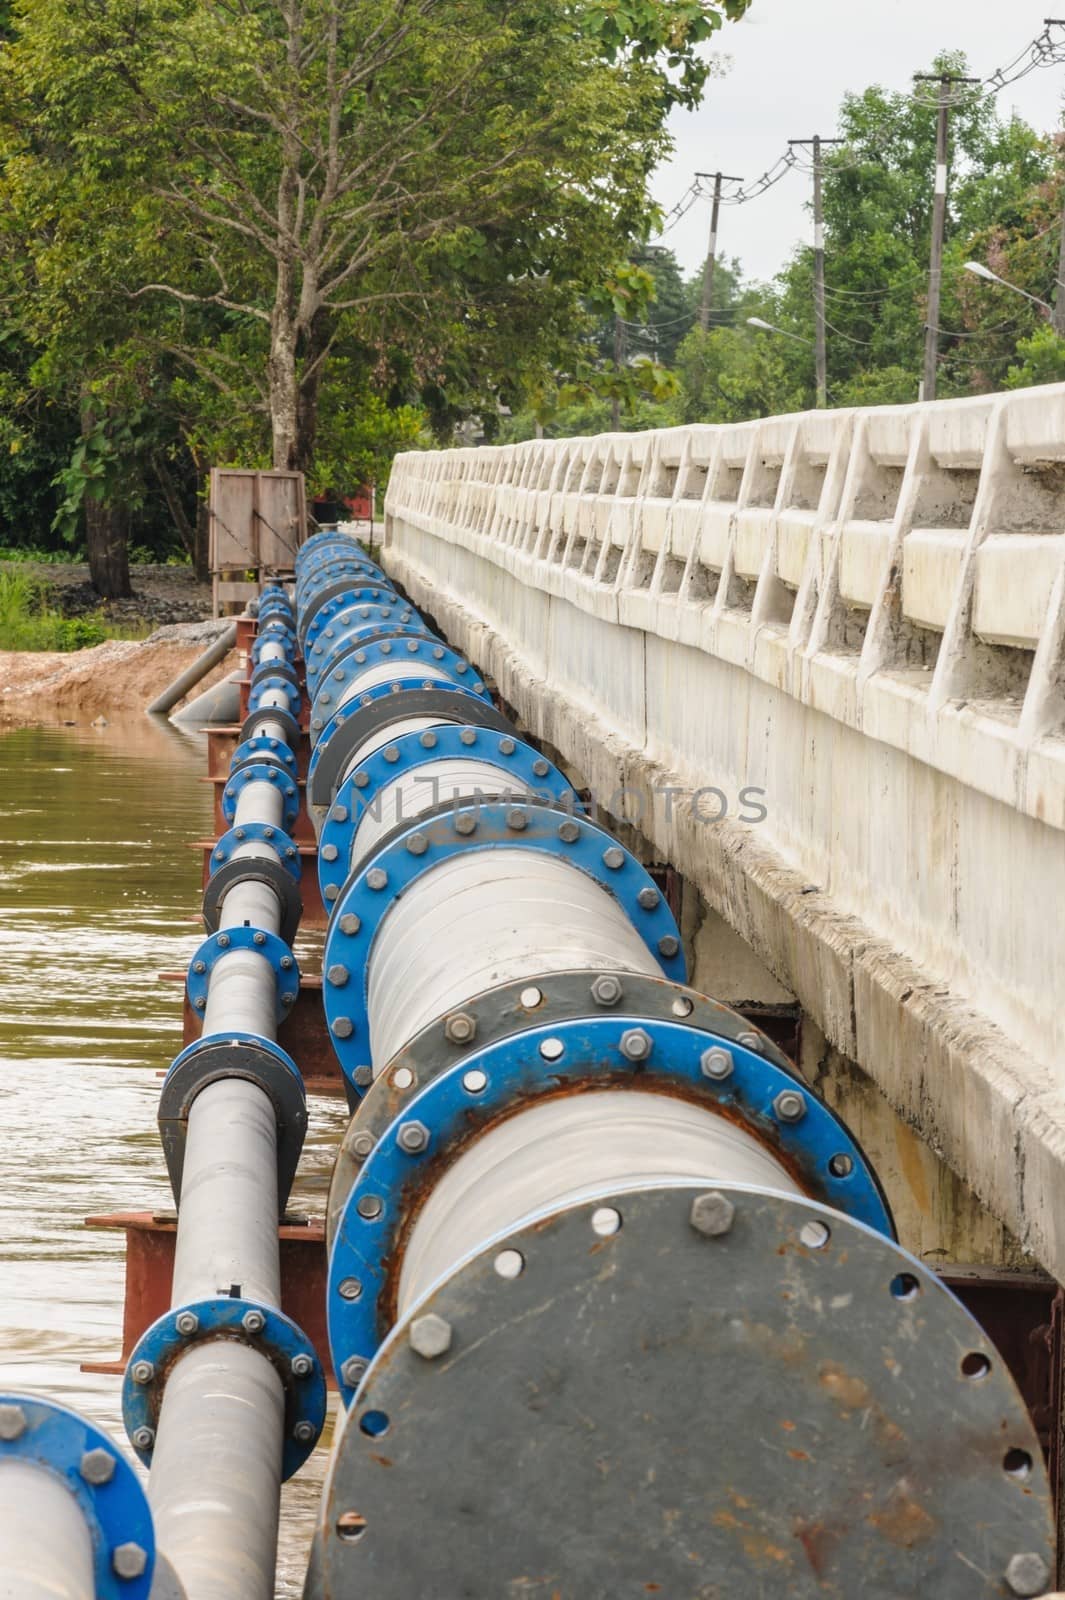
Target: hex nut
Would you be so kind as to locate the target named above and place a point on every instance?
(636, 1044)
(186, 1323)
(142, 1371)
(353, 1371)
(97, 1466)
(712, 1214)
(614, 857)
(329, 852)
(143, 1438)
(412, 1137)
(12, 1422)
(1027, 1574)
(304, 1432)
(606, 990)
(377, 878)
(648, 898)
(460, 1028)
(751, 1040)
(717, 1063)
(302, 1365)
(790, 1105)
(253, 1321)
(338, 975)
(362, 1145)
(129, 1560)
(669, 946)
(343, 1027)
(430, 1336)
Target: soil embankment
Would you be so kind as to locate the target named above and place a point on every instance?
(113, 679)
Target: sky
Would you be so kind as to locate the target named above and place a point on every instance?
(792, 61)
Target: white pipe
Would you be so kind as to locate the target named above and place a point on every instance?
(46, 1548)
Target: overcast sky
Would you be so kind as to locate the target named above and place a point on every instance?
(792, 62)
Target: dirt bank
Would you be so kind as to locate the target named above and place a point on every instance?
(160, 594)
(116, 678)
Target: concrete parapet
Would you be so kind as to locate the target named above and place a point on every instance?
(853, 621)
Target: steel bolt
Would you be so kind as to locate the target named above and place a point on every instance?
(331, 891)
(668, 946)
(223, 941)
(286, 963)
(241, 833)
(430, 1336)
(712, 1214)
(288, 997)
(751, 1041)
(614, 857)
(329, 852)
(1027, 1574)
(258, 938)
(569, 832)
(417, 844)
(143, 1438)
(253, 1322)
(606, 990)
(428, 740)
(362, 1145)
(377, 878)
(460, 1028)
(142, 1371)
(199, 966)
(465, 822)
(517, 819)
(648, 898)
(361, 780)
(636, 1044)
(304, 1432)
(129, 1560)
(541, 768)
(468, 735)
(97, 1467)
(12, 1422)
(350, 923)
(353, 1371)
(506, 747)
(339, 814)
(391, 753)
(370, 1207)
(338, 975)
(350, 1289)
(302, 1366)
(790, 1105)
(716, 1063)
(186, 1323)
(363, 1077)
(343, 1027)
(412, 1137)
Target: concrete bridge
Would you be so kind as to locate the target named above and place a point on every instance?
(816, 663)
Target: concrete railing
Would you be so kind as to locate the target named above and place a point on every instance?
(853, 622)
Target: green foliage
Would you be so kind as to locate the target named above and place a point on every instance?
(726, 375)
(1042, 360)
(29, 622)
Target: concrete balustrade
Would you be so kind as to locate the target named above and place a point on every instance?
(862, 614)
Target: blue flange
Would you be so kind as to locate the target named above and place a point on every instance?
(262, 772)
(526, 771)
(367, 1251)
(274, 681)
(265, 1329)
(419, 650)
(265, 757)
(474, 825)
(101, 1480)
(347, 599)
(392, 623)
(320, 736)
(263, 747)
(252, 832)
(223, 943)
(275, 632)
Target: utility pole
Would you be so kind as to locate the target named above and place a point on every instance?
(946, 81)
(820, 348)
(711, 254)
(1059, 293)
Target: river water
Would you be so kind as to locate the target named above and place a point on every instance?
(98, 895)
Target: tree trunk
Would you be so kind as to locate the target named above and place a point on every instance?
(107, 538)
(284, 392)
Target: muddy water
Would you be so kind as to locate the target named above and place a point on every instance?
(98, 895)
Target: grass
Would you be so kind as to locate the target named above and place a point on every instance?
(28, 622)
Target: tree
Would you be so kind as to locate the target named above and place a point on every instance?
(332, 173)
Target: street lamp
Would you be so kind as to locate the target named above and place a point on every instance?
(978, 270)
(770, 327)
